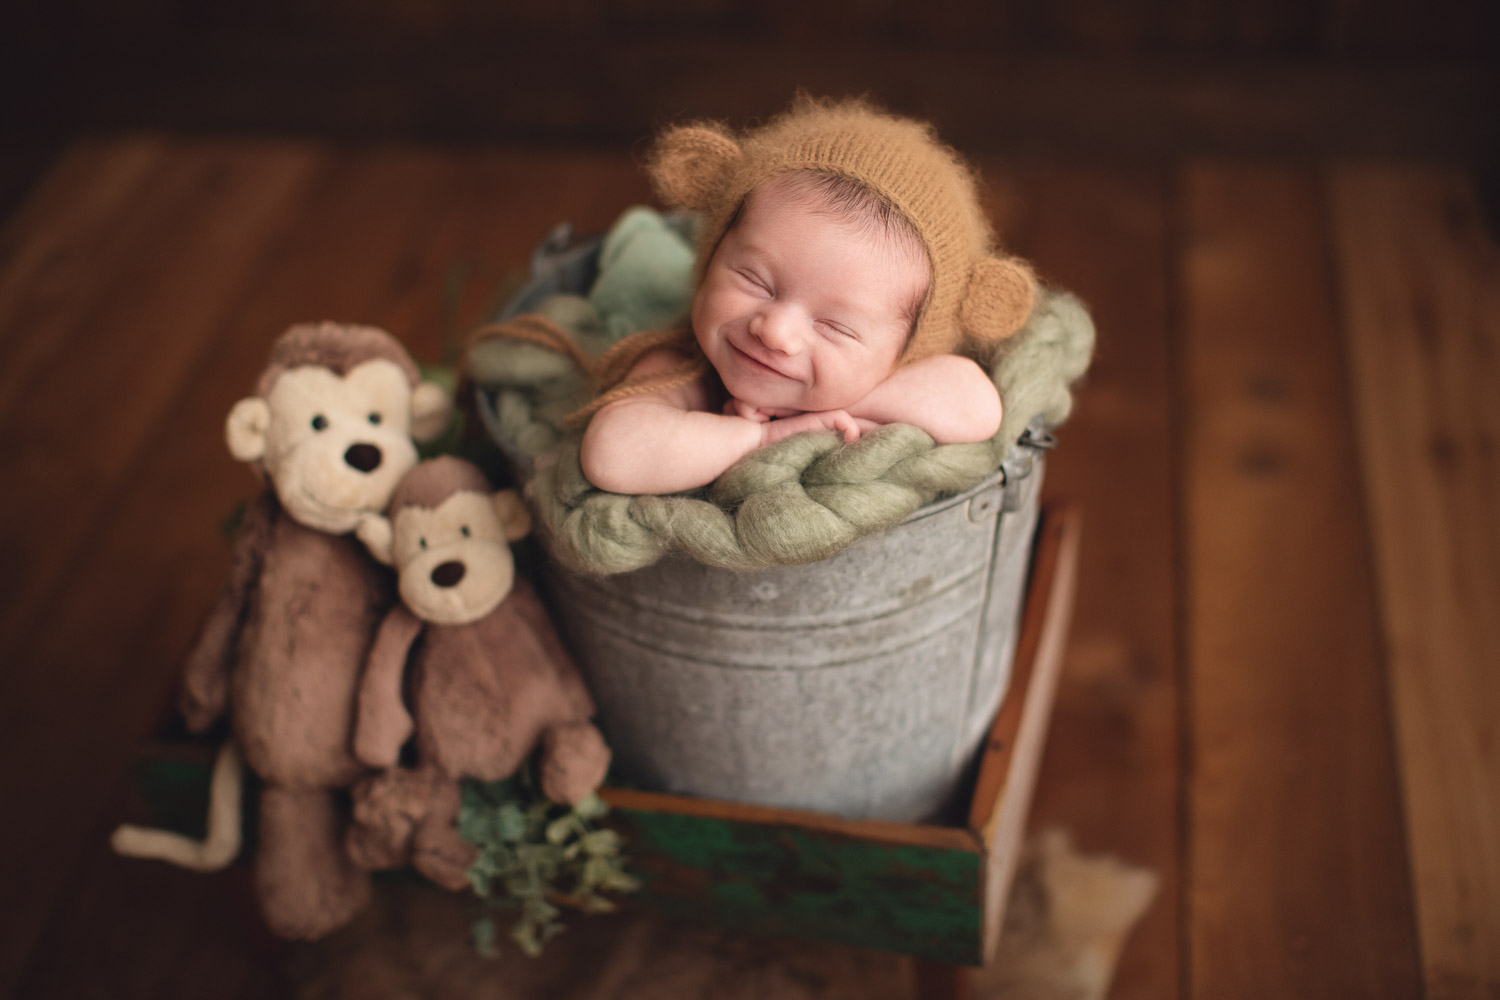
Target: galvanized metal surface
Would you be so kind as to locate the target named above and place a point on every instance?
(859, 686)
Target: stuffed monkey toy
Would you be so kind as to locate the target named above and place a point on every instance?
(330, 428)
(488, 679)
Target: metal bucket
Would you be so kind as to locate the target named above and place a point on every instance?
(861, 685)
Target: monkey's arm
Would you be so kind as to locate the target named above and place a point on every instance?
(528, 607)
(205, 677)
(384, 724)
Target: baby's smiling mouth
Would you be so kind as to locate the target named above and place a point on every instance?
(755, 364)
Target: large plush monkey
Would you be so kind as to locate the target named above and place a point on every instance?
(331, 427)
(487, 682)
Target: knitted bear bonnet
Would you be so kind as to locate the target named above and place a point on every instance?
(707, 169)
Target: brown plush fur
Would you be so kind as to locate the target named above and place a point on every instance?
(284, 648)
(483, 694)
(430, 483)
(336, 347)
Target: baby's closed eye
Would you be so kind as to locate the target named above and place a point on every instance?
(754, 280)
(836, 329)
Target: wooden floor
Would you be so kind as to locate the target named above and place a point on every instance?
(1281, 692)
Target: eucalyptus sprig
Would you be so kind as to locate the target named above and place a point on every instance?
(534, 854)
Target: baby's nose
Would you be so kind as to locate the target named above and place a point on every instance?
(777, 329)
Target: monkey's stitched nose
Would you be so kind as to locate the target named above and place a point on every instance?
(364, 457)
(448, 574)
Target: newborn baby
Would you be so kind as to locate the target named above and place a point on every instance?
(848, 259)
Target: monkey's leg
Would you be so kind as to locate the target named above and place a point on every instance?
(307, 885)
(574, 761)
(439, 851)
(387, 810)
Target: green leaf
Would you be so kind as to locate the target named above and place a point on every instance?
(510, 822)
(559, 829)
(484, 937)
(595, 871)
(476, 825)
(605, 842)
(531, 849)
(524, 934)
(619, 880)
(592, 807)
(539, 910)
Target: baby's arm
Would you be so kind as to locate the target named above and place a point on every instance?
(663, 442)
(947, 396)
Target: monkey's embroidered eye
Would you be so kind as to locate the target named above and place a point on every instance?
(422, 543)
(464, 531)
(320, 423)
(374, 418)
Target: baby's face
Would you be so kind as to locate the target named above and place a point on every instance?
(802, 309)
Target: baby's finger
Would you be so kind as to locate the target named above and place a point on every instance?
(739, 408)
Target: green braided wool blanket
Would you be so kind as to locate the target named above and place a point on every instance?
(797, 501)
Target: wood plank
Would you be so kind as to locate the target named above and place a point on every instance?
(1110, 772)
(1298, 868)
(1421, 293)
(871, 830)
(377, 238)
(1015, 741)
(147, 571)
(108, 315)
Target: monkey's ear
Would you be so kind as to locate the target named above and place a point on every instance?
(245, 430)
(430, 408)
(375, 531)
(998, 299)
(515, 519)
(689, 164)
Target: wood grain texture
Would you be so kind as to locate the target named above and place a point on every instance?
(375, 237)
(1251, 767)
(1295, 852)
(1016, 740)
(1421, 296)
(1111, 771)
(116, 308)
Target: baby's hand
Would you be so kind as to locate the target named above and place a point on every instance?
(832, 420)
(738, 408)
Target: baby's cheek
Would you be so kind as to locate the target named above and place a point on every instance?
(855, 378)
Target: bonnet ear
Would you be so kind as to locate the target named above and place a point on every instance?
(998, 299)
(690, 163)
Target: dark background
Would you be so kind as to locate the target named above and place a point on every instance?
(1072, 79)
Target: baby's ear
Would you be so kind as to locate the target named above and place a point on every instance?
(998, 299)
(689, 164)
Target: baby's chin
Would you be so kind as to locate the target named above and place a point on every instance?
(752, 394)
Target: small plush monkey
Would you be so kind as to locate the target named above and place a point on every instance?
(488, 681)
(330, 427)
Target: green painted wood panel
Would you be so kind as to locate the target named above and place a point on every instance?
(787, 880)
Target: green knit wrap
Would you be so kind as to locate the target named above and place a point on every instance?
(797, 501)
